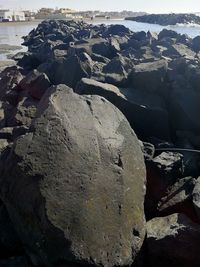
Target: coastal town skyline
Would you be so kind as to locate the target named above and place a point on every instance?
(154, 6)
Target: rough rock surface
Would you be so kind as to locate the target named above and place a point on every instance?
(173, 241)
(149, 76)
(82, 171)
(143, 119)
(178, 198)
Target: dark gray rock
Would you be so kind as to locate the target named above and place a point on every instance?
(6, 133)
(169, 162)
(137, 40)
(148, 150)
(190, 138)
(179, 50)
(140, 36)
(146, 121)
(167, 19)
(17, 261)
(173, 241)
(133, 44)
(178, 199)
(167, 34)
(99, 58)
(10, 79)
(122, 41)
(114, 45)
(196, 198)
(184, 109)
(2, 115)
(58, 53)
(10, 243)
(35, 83)
(184, 39)
(142, 54)
(105, 48)
(152, 36)
(115, 72)
(29, 61)
(3, 145)
(117, 30)
(79, 171)
(149, 76)
(68, 71)
(196, 44)
(162, 172)
(11, 133)
(22, 114)
(147, 54)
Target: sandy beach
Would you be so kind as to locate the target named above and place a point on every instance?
(37, 21)
(18, 23)
(6, 63)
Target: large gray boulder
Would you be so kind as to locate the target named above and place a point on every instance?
(74, 186)
(104, 47)
(149, 76)
(68, 71)
(179, 50)
(173, 241)
(116, 71)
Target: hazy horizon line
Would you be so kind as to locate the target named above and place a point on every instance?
(100, 10)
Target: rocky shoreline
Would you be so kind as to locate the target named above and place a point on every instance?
(6, 53)
(167, 19)
(99, 149)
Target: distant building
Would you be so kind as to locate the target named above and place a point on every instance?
(62, 13)
(29, 15)
(66, 11)
(44, 13)
(70, 13)
(7, 15)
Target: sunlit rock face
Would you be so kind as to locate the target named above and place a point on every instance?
(75, 191)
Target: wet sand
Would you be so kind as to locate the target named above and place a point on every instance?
(4, 48)
(37, 21)
(17, 23)
(7, 51)
(6, 63)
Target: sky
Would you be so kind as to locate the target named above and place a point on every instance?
(150, 6)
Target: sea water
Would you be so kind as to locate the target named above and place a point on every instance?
(12, 33)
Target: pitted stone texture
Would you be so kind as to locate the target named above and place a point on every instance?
(76, 188)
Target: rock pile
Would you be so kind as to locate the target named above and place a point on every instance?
(73, 172)
(167, 19)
